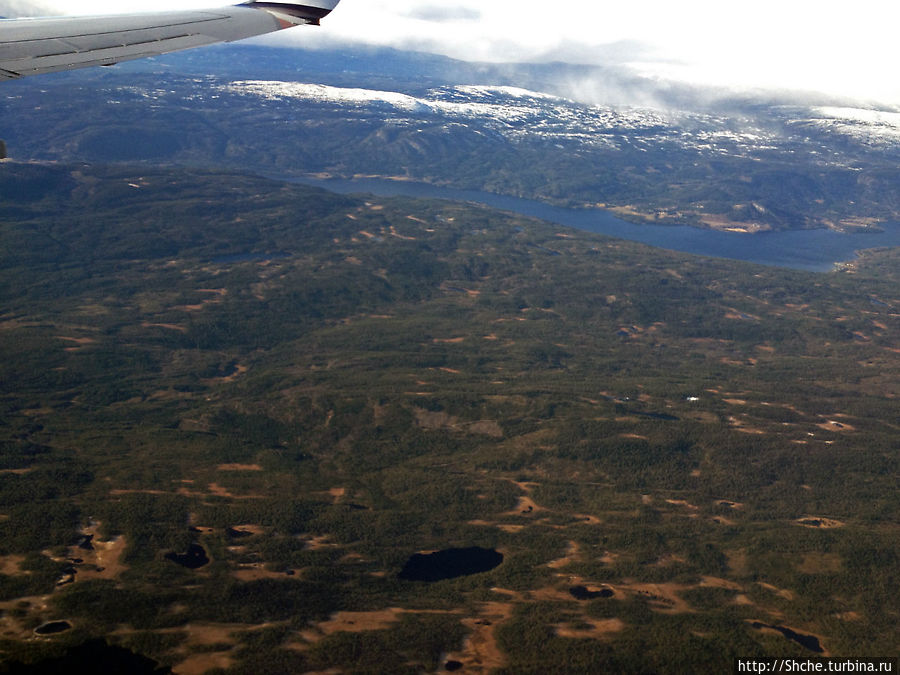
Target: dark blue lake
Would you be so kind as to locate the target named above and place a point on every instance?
(815, 250)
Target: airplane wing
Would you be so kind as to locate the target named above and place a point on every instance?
(34, 46)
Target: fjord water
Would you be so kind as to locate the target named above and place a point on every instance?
(814, 250)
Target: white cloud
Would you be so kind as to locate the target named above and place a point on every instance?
(17, 8)
(840, 48)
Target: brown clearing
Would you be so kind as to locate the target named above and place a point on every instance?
(820, 563)
(397, 235)
(358, 622)
(819, 523)
(848, 616)
(11, 565)
(256, 571)
(587, 518)
(716, 582)
(239, 467)
(428, 419)
(512, 529)
(78, 341)
(722, 222)
(480, 652)
(239, 370)
(107, 555)
(780, 592)
(355, 622)
(598, 630)
(831, 425)
(103, 561)
(205, 635)
(338, 493)
(526, 506)
(10, 626)
(525, 486)
(487, 427)
(197, 664)
(215, 490)
(740, 425)
(669, 559)
(738, 560)
(572, 554)
(169, 326)
(319, 542)
(252, 529)
(682, 502)
(453, 341)
(663, 597)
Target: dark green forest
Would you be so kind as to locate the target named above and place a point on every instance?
(312, 388)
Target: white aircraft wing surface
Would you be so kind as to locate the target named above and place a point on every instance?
(33, 46)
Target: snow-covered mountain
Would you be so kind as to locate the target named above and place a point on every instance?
(838, 136)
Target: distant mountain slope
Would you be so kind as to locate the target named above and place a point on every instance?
(738, 165)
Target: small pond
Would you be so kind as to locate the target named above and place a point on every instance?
(450, 564)
(584, 593)
(52, 628)
(194, 559)
(810, 642)
(94, 656)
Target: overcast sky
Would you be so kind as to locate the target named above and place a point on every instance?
(847, 48)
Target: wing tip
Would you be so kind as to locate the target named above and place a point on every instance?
(309, 12)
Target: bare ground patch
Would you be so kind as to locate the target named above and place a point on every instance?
(780, 592)
(662, 597)
(573, 552)
(684, 503)
(817, 522)
(256, 571)
(239, 467)
(359, 622)
(11, 565)
(820, 563)
(207, 635)
(597, 630)
(100, 559)
(525, 507)
(197, 664)
(832, 425)
(480, 652)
